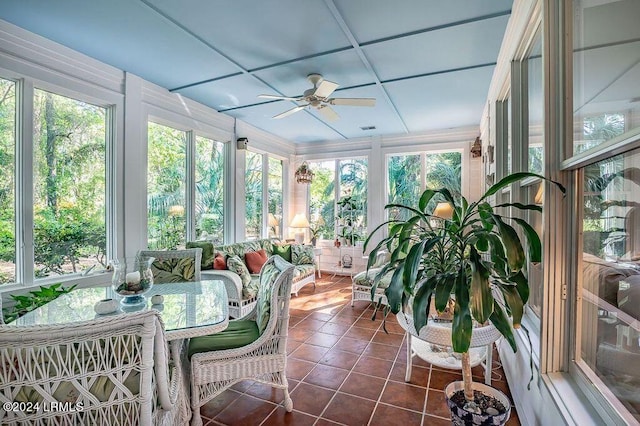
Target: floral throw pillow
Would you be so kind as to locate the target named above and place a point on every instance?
(263, 305)
(235, 264)
(301, 255)
(173, 270)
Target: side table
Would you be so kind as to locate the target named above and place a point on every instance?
(317, 252)
(433, 344)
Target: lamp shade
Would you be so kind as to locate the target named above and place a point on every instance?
(443, 210)
(272, 220)
(299, 221)
(539, 198)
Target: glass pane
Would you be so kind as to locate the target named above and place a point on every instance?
(404, 183)
(533, 194)
(7, 181)
(507, 105)
(609, 343)
(69, 185)
(353, 191)
(444, 171)
(275, 198)
(535, 107)
(322, 198)
(253, 196)
(166, 184)
(606, 71)
(209, 214)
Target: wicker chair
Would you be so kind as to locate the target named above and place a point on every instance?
(166, 267)
(114, 368)
(263, 360)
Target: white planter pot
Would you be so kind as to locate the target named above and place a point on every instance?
(462, 417)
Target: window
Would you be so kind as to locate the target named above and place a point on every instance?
(322, 198)
(166, 183)
(209, 213)
(535, 103)
(69, 185)
(7, 181)
(275, 201)
(606, 111)
(606, 66)
(404, 183)
(609, 344)
(404, 174)
(338, 183)
(253, 196)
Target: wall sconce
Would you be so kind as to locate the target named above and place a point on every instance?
(304, 174)
(476, 148)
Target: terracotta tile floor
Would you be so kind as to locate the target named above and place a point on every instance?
(344, 369)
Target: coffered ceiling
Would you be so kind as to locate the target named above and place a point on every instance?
(428, 63)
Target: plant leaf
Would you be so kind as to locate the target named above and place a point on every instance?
(425, 198)
(533, 241)
(444, 285)
(481, 297)
(395, 291)
(501, 322)
(462, 325)
(513, 300)
(513, 247)
(522, 285)
(422, 302)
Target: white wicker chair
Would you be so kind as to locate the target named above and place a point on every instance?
(263, 360)
(160, 255)
(115, 367)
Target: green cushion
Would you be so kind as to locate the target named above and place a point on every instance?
(207, 253)
(365, 278)
(239, 333)
(263, 305)
(283, 251)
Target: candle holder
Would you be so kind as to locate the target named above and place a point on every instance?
(132, 278)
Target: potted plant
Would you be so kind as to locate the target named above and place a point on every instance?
(473, 257)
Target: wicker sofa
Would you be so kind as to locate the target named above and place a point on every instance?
(242, 296)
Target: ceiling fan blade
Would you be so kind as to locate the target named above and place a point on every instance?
(325, 89)
(368, 102)
(277, 97)
(328, 113)
(289, 112)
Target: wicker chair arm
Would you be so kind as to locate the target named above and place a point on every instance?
(231, 280)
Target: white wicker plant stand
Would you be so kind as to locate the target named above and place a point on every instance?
(433, 344)
(264, 360)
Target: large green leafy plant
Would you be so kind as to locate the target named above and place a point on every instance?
(475, 258)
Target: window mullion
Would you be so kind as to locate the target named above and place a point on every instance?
(24, 183)
(265, 196)
(190, 186)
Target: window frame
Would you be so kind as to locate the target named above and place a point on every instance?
(113, 103)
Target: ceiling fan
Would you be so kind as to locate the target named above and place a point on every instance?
(318, 98)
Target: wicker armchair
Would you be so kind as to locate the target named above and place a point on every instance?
(169, 266)
(264, 359)
(111, 370)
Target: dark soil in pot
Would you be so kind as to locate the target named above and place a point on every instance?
(487, 404)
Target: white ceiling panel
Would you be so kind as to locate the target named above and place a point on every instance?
(251, 47)
(375, 19)
(442, 101)
(258, 33)
(123, 33)
(446, 49)
(597, 28)
(345, 68)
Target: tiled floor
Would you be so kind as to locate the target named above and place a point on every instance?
(344, 369)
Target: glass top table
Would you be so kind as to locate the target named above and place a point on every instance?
(189, 309)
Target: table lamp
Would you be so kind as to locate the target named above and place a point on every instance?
(273, 224)
(443, 210)
(300, 222)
